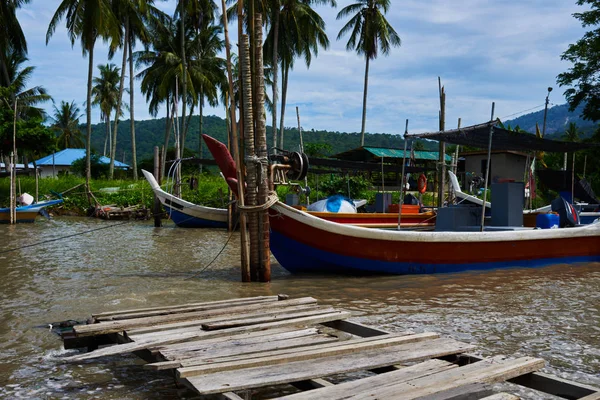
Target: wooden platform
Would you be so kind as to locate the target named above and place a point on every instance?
(237, 345)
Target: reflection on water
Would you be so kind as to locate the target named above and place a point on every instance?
(551, 312)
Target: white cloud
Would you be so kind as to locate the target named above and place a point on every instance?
(507, 51)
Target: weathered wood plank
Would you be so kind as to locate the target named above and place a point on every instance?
(502, 396)
(230, 396)
(318, 368)
(175, 338)
(271, 317)
(491, 370)
(247, 338)
(593, 396)
(472, 391)
(151, 311)
(357, 386)
(197, 323)
(206, 366)
(193, 358)
(103, 328)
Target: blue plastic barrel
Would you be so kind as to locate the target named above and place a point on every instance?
(547, 221)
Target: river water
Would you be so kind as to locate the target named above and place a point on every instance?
(69, 268)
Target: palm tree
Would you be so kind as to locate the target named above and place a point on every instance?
(66, 125)
(301, 32)
(27, 98)
(133, 16)
(105, 95)
(211, 70)
(86, 20)
(369, 32)
(11, 35)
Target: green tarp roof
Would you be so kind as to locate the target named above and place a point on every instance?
(365, 153)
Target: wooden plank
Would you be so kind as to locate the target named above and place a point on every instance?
(593, 396)
(206, 366)
(246, 338)
(196, 325)
(491, 370)
(279, 316)
(318, 368)
(502, 396)
(198, 322)
(206, 303)
(149, 312)
(193, 358)
(357, 386)
(472, 391)
(134, 346)
(103, 328)
(547, 383)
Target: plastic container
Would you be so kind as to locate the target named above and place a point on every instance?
(547, 221)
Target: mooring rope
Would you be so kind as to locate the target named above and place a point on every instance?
(271, 200)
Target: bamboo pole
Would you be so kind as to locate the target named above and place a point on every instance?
(302, 151)
(401, 200)
(13, 194)
(442, 145)
(264, 272)
(573, 181)
(156, 208)
(236, 153)
(487, 170)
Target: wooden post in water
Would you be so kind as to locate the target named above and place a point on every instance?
(156, 209)
(264, 272)
(442, 147)
(236, 153)
(487, 170)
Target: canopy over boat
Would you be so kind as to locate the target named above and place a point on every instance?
(503, 139)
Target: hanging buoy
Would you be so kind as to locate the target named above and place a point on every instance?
(422, 184)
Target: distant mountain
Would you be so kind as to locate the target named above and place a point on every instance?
(557, 121)
(150, 133)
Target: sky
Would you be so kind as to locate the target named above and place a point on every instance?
(484, 51)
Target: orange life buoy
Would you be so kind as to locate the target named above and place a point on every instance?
(422, 183)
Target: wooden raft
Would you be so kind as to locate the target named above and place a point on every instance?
(245, 344)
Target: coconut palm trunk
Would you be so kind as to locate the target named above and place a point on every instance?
(131, 111)
(364, 111)
(184, 76)
(264, 271)
(113, 153)
(250, 152)
(276, 15)
(88, 114)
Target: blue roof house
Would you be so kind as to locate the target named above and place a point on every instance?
(61, 162)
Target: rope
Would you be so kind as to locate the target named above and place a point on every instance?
(217, 256)
(271, 200)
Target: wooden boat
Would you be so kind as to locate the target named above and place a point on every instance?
(587, 213)
(185, 214)
(27, 214)
(304, 243)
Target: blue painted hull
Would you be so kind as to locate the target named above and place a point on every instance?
(300, 258)
(186, 221)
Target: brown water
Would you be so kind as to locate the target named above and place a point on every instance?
(551, 312)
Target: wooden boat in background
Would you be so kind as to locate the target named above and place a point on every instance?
(186, 214)
(304, 243)
(27, 214)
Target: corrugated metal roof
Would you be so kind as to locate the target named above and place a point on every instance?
(399, 153)
(68, 156)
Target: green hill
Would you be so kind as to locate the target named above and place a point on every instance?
(150, 133)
